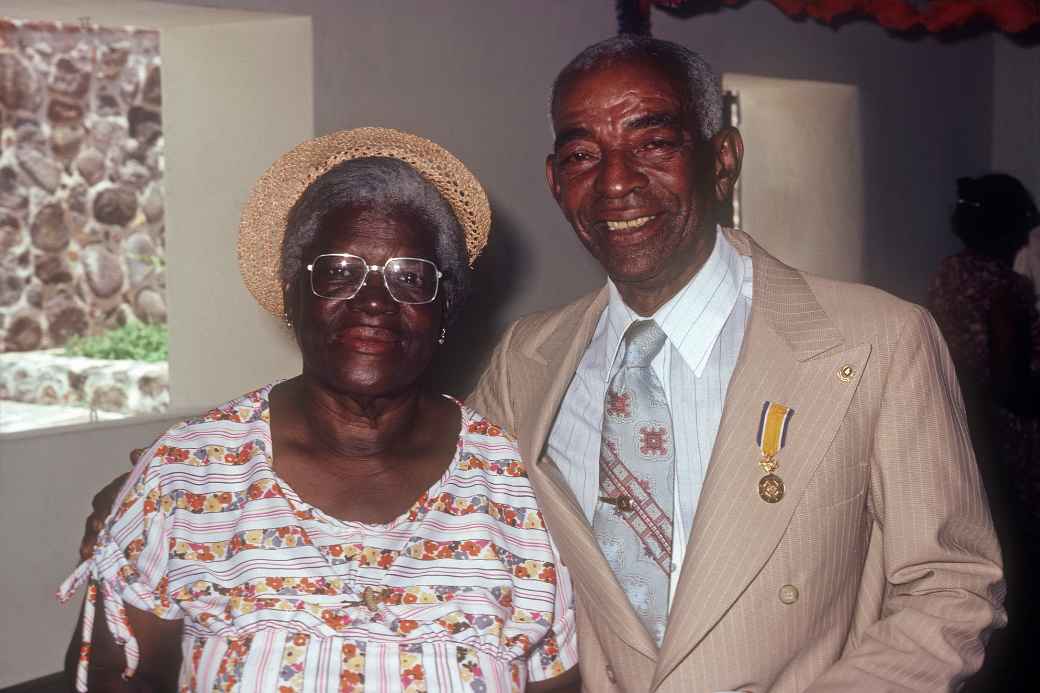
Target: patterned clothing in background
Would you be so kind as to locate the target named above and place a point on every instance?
(465, 590)
(961, 297)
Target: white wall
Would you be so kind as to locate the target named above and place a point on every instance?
(796, 131)
(47, 480)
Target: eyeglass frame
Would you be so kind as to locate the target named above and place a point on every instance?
(379, 269)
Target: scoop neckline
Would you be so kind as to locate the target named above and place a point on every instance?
(465, 414)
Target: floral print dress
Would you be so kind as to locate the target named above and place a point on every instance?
(464, 592)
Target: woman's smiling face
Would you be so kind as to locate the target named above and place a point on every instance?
(368, 345)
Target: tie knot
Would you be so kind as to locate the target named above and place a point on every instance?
(643, 339)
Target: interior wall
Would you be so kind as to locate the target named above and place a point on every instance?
(47, 480)
(824, 233)
(1016, 112)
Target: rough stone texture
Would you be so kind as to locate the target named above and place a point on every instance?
(18, 84)
(150, 306)
(13, 196)
(81, 199)
(104, 271)
(116, 205)
(154, 205)
(91, 165)
(23, 334)
(10, 233)
(66, 140)
(46, 377)
(139, 253)
(11, 287)
(43, 171)
(49, 231)
(52, 269)
(65, 319)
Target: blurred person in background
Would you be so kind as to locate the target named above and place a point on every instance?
(987, 314)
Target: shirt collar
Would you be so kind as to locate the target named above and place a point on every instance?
(693, 318)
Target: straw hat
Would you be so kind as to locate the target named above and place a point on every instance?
(277, 190)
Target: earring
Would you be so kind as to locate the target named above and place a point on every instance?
(288, 322)
(444, 333)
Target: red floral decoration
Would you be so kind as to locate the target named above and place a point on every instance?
(1011, 16)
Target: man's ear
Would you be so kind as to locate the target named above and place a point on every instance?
(550, 177)
(728, 148)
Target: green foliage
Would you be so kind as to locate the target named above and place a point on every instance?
(137, 341)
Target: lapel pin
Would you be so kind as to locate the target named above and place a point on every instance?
(772, 434)
(846, 373)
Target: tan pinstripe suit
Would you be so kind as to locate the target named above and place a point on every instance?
(879, 569)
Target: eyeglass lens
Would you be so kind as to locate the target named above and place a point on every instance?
(409, 280)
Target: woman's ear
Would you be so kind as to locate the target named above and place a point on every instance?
(289, 299)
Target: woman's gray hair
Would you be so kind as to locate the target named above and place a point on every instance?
(388, 184)
(704, 93)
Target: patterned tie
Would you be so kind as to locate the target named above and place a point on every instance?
(633, 521)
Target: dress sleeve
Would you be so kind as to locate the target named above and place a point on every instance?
(129, 564)
(558, 650)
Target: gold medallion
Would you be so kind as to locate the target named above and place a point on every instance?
(771, 488)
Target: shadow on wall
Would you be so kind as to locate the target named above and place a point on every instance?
(498, 275)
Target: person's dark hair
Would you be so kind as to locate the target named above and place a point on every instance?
(384, 183)
(993, 212)
(704, 94)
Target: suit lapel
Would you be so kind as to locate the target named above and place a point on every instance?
(792, 354)
(552, 360)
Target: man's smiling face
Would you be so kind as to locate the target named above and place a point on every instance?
(631, 174)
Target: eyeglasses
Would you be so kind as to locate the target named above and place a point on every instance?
(340, 276)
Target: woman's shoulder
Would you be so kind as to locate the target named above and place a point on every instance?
(489, 447)
(231, 433)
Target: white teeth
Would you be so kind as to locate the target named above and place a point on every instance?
(630, 224)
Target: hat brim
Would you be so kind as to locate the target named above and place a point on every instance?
(266, 212)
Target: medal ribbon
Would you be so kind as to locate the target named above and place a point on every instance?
(772, 432)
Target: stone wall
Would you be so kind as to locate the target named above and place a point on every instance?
(119, 387)
(81, 197)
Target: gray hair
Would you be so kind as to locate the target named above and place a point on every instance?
(384, 183)
(704, 95)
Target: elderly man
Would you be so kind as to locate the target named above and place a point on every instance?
(760, 479)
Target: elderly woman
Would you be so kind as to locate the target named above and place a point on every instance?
(346, 529)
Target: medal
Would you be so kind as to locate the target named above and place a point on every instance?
(771, 488)
(772, 434)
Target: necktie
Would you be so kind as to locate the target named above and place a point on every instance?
(633, 520)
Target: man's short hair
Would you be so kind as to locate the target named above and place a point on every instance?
(704, 95)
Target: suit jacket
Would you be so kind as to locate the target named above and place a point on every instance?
(879, 569)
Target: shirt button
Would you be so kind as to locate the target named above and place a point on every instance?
(611, 676)
(788, 594)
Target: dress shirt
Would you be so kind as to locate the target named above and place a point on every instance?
(705, 325)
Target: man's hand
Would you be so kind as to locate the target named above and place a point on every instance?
(101, 506)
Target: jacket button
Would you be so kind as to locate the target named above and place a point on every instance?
(788, 594)
(611, 676)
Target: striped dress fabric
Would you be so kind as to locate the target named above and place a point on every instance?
(463, 592)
